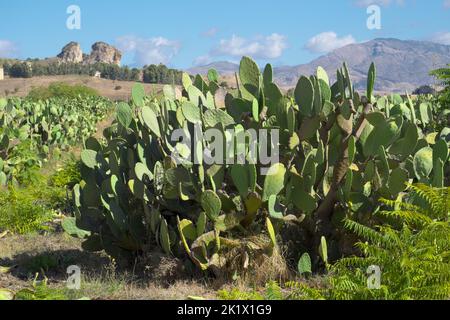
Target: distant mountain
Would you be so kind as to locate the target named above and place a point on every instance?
(223, 67)
(401, 65)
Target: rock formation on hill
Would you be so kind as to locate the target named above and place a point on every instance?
(101, 52)
(105, 53)
(71, 53)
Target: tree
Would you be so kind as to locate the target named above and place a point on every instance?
(424, 90)
(443, 75)
(21, 70)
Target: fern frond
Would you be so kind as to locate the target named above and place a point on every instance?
(436, 198)
(366, 233)
(273, 291)
(411, 217)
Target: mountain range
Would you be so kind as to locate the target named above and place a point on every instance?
(402, 65)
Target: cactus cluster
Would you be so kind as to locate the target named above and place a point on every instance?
(339, 153)
(56, 122)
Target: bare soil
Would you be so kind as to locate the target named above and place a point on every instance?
(49, 255)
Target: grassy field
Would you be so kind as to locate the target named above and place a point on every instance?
(114, 90)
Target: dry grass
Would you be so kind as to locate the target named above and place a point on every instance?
(21, 87)
(53, 253)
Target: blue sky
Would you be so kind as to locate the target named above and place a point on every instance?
(184, 33)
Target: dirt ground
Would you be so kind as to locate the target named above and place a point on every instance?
(115, 90)
(50, 255)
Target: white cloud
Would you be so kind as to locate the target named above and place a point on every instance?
(441, 37)
(263, 47)
(328, 41)
(149, 51)
(210, 33)
(383, 3)
(8, 49)
(202, 60)
(447, 4)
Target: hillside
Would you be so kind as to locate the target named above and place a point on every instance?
(401, 65)
(115, 90)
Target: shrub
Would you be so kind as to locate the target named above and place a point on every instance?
(413, 257)
(62, 90)
(424, 90)
(22, 211)
(68, 176)
(161, 74)
(21, 70)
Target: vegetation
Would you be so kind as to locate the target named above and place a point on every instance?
(161, 74)
(149, 74)
(31, 131)
(32, 204)
(359, 184)
(19, 70)
(339, 153)
(61, 90)
(443, 75)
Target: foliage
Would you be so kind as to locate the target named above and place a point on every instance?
(443, 75)
(425, 89)
(24, 163)
(272, 291)
(35, 68)
(67, 176)
(149, 74)
(339, 153)
(30, 131)
(20, 70)
(161, 74)
(32, 204)
(413, 257)
(41, 291)
(27, 209)
(61, 90)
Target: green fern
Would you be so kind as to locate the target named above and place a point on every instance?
(414, 258)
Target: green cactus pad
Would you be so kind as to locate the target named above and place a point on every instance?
(191, 112)
(250, 76)
(211, 204)
(371, 81)
(216, 116)
(89, 158)
(274, 181)
(138, 94)
(275, 210)
(397, 181)
(164, 237)
(304, 96)
(423, 163)
(304, 264)
(124, 114)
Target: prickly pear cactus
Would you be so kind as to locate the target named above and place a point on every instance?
(339, 152)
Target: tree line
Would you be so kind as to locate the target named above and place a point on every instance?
(160, 74)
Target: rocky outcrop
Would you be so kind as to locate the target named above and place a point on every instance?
(71, 53)
(104, 53)
(101, 52)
